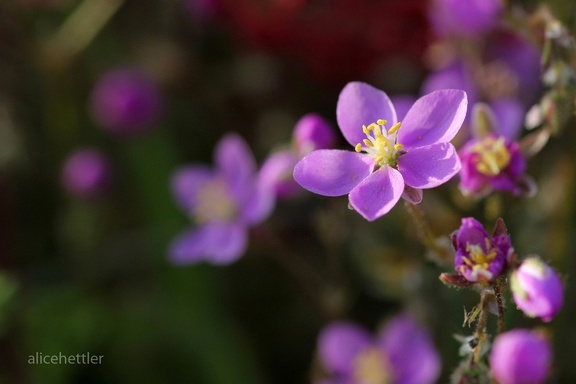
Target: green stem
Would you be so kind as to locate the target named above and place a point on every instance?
(81, 27)
(438, 254)
(481, 328)
(498, 294)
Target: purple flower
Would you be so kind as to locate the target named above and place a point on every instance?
(311, 132)
(479, 256)
(223, 202)
(521, 356)
(507, 70)
(411, 156)
(125, 101)
(469, 18)
(402, 353)
(492, 161)
(86, 173)
(537, 289)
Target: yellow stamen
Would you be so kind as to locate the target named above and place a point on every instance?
(493, 156)
(394, 128)
(380, 144)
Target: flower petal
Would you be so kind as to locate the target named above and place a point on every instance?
(185, 183)
(339, 344)
(312, 132)
(402, 104)
(276, 173)
(430, 166)
(510, 115)
(217, 243)
(332, 172)
(260, 203)
(434, 118)
(378, 193)
(235, 160)
(361, 104)
(452, 76)
(412, 195)
(410, 350)
(473, 232)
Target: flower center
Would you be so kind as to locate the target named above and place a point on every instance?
(371, 367)
(493, 156)
(380, 144)
(478, 260)
(214, 203)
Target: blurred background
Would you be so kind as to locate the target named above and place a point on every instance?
(87, 215)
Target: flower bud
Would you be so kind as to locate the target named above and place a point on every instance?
(313, 132)
(537, 289)
(86, 173)
(125, 101)
(520, 356)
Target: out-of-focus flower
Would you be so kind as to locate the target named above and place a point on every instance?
(86, 173)
(412, 155)
(521, 356)
(126, 101)
(537, 289)
(203, 10)
(323, 36)
(479, 256)
(402, 353)
(456, 18)
(223, 202)
(492, 161)
(505, 72)
(311, 132)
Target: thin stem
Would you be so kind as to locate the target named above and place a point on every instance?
(481, 328)
(81, 27)
(427, 236)
(312, 281)
(498, 294)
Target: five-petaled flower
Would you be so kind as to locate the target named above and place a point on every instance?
(492, 161)
(224, 202)
(402, 353)
(389, 163)
(479, 256)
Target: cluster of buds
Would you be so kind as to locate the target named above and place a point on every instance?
(482, 261)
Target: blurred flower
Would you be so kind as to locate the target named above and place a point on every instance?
(521, 356)
(323, 36)
(416, 156)
(506, 71)
(311, 132)
(479, 256)
(201, 9)
(126, 101)
(402, 353)
(537, 289)
(224, 202)
(492, 161)
(86, 173)
(457, 18)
